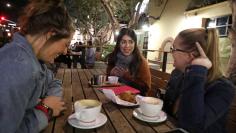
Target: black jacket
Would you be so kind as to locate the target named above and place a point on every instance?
(203, 107)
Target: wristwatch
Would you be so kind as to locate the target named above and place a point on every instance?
(44, 108)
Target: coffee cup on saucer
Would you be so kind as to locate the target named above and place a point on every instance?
(150, 106)
(87, 110)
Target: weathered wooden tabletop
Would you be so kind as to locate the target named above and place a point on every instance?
(120, 118)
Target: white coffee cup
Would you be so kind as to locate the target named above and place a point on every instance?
(87, 110)
(150, 106)
(113, 79)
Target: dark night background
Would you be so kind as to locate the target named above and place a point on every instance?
(14, 11)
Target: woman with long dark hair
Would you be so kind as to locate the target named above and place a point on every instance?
(128, 64)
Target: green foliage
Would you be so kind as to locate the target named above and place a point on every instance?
(225, 47)
(72, 8)
(124, 9)
(107, 49)
(91, 14)
(98, 18)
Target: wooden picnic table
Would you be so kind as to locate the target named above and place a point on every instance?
(120, 118)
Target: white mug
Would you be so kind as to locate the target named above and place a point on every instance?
(87, 110)
(150, 106)
(113, 79)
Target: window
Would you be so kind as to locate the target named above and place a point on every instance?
(221, 23)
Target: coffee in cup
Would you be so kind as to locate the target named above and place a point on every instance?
(87, 110)
(150, 106)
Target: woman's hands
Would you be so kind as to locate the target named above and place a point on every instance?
(201, 60)
(119, 71)
(55, 103)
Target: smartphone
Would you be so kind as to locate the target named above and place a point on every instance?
(177, 130)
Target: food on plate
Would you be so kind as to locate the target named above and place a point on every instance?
(127, 96)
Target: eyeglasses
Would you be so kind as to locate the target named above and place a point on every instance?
(172, 49)
(129, 42)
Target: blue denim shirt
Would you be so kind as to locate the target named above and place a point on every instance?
(23, 82)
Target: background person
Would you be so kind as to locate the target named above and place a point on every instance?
(128, 64)
(82, 56)
(76, 53)
(29, 95)
(90, 55)
(202, 102)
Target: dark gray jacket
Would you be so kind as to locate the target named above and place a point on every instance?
(203, 107)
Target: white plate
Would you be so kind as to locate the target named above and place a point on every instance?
(111, 95)
(125, 103)
(100, 120)
(156, 119)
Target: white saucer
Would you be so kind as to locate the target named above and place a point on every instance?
(156, 119)
(100, 120)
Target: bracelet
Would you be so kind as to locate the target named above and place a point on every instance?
(44, 108)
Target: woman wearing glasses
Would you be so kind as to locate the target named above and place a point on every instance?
(128, 64)
(201, 101)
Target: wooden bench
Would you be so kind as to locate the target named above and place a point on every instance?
(159, 82)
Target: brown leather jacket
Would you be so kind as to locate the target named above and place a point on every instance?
(143, 77)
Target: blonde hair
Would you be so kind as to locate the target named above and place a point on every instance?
(208, 39)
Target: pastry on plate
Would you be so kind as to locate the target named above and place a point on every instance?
(127, 96)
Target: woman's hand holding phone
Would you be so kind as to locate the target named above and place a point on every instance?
(118, 71)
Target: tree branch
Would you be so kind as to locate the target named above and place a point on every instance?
(136, 15)
(110, 13)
